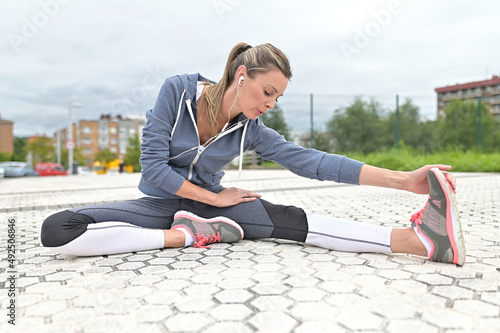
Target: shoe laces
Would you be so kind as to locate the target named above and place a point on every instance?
(416, 219)
(204, 239)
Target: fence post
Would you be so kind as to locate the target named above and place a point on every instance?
(397, 122)
(311, 139)
(479, 125)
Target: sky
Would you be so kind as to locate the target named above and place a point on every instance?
(111, 57)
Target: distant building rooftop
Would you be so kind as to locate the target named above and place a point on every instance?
(494, 80)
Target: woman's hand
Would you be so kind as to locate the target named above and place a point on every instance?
(233, 196)
(417, 180)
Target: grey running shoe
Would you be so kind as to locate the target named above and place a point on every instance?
(439, 222)
(207, 231)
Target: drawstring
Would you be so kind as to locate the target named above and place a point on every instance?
(240, 167)
(178, 114)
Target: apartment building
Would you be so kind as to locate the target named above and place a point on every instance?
(6, 136)
(108, 132)
(488, 90)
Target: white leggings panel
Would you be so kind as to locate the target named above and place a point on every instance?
(348, 236)
(112, 238)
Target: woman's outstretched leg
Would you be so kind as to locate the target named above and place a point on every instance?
(119, 227)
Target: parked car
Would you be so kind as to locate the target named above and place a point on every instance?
(84, 171)
(18, 169)
(2, 172)
(50, 169)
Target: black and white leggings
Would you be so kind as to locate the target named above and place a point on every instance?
(136, 225)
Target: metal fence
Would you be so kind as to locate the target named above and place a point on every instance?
(305, 113)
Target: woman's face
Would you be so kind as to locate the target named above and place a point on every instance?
(259, 94)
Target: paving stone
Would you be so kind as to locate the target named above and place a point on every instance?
(235, 283)
(228, 326)
(272, 321)
(233, 296)
(477, 285)
(394, 274)
(269, 277)
(230, 312)
(72, 316)
(453, 292)
(264, 285)
(163, 298)
(319, 326)
(269, 288)
(447, 319)
(152, 313)
(491, 297)
(410, 325)
(434, 279)
(306, 294)
(314, 311)
(194, 304)
(360, 320)
(200, 290)
(477, 308)
(394, 309)
(46, 308)
(271, 303)
(489, 324)
(187, 322)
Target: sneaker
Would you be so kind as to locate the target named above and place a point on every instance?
(439, 222)
(207, 231)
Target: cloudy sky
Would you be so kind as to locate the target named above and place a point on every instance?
(112, 56)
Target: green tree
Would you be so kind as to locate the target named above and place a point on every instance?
(357, 128)
(41, 149)
(19, 151)
(5, 156)
(459, 128)
(78, 158)
(133, 153)
(274, 119)
(428, 137)
(106, 156)
(409, 126)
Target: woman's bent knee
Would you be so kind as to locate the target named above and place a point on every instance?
(63, 227)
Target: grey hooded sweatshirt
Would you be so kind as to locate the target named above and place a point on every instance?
(171, 150)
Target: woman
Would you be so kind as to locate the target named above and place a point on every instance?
(197, 127)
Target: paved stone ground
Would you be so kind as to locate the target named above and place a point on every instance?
(252, 286)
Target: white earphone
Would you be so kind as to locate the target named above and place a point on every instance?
(241, 79)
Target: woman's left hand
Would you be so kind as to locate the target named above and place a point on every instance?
(418, 183)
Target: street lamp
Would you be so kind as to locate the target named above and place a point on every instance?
(70, 144)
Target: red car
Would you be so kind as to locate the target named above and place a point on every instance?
(50, 169)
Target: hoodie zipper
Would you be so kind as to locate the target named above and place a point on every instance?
(201, 148)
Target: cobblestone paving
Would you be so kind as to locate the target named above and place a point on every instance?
(252, 286)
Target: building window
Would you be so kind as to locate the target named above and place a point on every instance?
(113, 149)
(87, 141)
(87, 130)
(131, 131)
(112, 130)
(113, 141)
(88, 151)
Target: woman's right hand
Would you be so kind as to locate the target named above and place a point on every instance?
(233, 196)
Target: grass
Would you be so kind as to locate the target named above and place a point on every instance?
(406, 159)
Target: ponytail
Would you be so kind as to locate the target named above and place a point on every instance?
(259, 59)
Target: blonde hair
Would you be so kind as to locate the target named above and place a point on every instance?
(258, 59)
